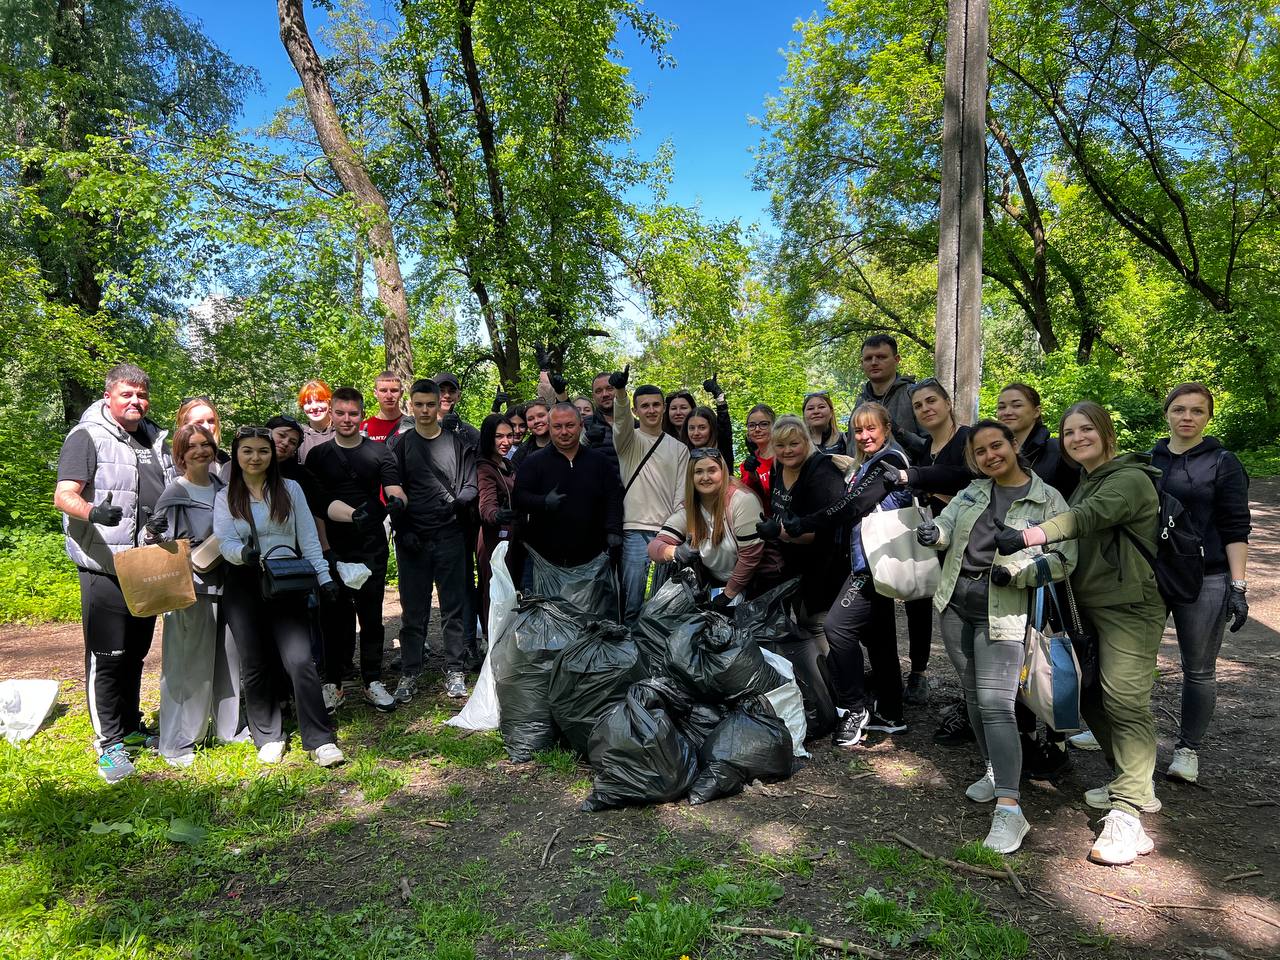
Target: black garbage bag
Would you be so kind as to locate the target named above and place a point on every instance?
(750, 743)
(813, 677)
(767, 618)
(700, 721)
(718, 664)
(638, 753)
(673, 604)
(588, 591)
(522, 661)
(589, 675)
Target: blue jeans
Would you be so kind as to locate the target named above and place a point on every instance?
(635, 572)
(1200, 625)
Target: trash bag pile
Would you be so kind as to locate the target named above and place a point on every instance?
(691, 702)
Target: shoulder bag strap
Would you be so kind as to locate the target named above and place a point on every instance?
(253, 532)
(645, 459)
(445, 486)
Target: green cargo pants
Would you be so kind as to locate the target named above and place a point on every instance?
(1118, 707)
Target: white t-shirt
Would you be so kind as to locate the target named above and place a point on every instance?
(199, 494)
(740, 527)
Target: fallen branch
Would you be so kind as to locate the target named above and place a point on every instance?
(1005, 874)
(816, 793)
(546, 851)
(1260, 916)
(1181, 906)
(813, 938)
(1242, 876)
(438, 824)
(862, 776)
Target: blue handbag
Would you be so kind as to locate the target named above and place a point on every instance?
(1049, 683)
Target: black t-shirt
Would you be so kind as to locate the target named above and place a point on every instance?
(356, 476)
(78, 461)
(980, 551)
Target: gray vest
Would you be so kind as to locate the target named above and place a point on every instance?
(93, 547)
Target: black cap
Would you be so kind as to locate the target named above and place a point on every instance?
(445, 377)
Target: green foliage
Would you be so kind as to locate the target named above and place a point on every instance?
(37, 581)
(952, 922)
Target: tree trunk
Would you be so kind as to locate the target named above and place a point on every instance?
(349, 169)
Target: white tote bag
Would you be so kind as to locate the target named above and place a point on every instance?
(900, 566)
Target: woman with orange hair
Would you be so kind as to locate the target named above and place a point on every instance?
(314, 399)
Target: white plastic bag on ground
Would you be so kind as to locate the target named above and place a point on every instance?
(788, 702)
(24, 704)
(481, 710)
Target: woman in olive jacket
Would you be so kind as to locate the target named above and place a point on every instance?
(1115, 587)
(982, 602)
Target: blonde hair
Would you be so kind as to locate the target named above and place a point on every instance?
(863, 414)
(791, 427)
(184, 411)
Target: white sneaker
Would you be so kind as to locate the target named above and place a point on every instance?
(1100, 799)
(181, 761)
(332, 696)
(1185, 766)
(376, 695)
(271, 752)
(1121, 841)
(984, 790)
(327, 755)
(1008, 827)
(1084, 741)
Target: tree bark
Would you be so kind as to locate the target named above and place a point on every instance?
(350, 170)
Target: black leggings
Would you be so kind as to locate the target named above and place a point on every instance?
(263, 630)
(861, 617)
(919, 632)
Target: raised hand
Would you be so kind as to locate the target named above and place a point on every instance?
(106, 514)
(618, 379)
(712, 386)
(1009, 540)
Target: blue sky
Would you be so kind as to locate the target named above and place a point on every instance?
(728, 59)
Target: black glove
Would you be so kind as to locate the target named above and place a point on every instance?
(558, 383)
(362, 518)
(894, 477)
(410, 541)
(751, 464)
(329, 591)
(614, 540)
(553, 500)
(451, 420)
(250, 555)
(712, 386)
(395, 507)
(1001, 576)
(686, 554)
(720, 602)
(596, 433)
(618, 380)
(544, 356)
(770, 529)
(1008, 540)
(797, 526)
(500, 400)
(1237, 607)
(504, 517)
(156, 526)
(927, 533)
(105, 514)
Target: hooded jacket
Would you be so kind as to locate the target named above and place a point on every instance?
(1214, 490)
(897, 400)
(189, 519)
(93, 547)
(818, 564)
(1110, 570)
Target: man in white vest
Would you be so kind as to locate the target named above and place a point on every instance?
(112, 469)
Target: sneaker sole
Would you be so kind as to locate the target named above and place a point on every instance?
(328, 763)
(887, 727)
(1091, 747)
(1096, 857)
(382, 708)
(1180, 778)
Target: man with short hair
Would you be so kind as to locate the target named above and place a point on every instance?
(887, 387)
(450, 397)
(112, 469)
(653, 465)
(438, 475)
(598, 428)
(356, 471)
(571, 494)
(389, 418)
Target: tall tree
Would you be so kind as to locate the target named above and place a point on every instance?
(350, 170)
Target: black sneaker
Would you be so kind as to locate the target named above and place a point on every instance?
(850, 727)
(916, 691)
(1044, 761)
(954, 730)
(886, 725)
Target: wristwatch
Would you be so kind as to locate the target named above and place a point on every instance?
(1239, 585)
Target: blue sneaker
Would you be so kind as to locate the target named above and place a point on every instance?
(114, 764)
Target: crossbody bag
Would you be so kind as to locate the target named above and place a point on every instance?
(283, 575)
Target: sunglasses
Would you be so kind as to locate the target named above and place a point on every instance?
(262, 432)
(703, 453)
(203, 398)
(825, 395)
(759, 424)
(927, 382)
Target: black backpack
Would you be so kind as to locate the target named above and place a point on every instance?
(1179, 559)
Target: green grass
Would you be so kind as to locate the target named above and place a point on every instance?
(950, 921)
(561, 761)
(976, 853)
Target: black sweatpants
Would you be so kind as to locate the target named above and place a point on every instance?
(262, 630)
(442, 561)
(341, 616)
(115, 644)
(861, 617)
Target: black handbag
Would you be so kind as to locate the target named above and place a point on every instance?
(283, 575)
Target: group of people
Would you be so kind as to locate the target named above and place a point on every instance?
(650, 479)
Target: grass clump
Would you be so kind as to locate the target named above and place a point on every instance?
(952, 922)
(655, 929)
(560, 761)
(980, 855)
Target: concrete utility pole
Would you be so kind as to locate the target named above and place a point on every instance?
(958, 326)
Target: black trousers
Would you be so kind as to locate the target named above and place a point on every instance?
(115, 644)
(442, 561)
(859, 618)
(339, 618)
(919, 632)
(267, 633)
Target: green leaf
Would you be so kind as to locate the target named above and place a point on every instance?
(183, 831)
(122, 827)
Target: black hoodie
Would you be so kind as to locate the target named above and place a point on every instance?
(1214, 489)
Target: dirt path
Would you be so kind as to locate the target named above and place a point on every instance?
(1228, 825)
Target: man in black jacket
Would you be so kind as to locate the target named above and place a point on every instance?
(438, 474)
(572, 494)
